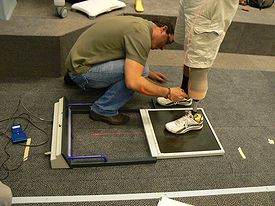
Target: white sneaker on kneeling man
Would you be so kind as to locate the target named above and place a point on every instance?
(168, 103)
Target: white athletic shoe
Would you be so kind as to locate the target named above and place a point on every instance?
(186, 123)
(168, 103)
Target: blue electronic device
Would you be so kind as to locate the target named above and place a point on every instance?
(17, 134)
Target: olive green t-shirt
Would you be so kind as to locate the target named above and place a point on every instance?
(114, 38)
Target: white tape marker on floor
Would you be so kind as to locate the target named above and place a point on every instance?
(271, 141)
(141, 196)
(241, 153)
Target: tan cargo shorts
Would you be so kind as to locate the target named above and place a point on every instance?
(201, 26)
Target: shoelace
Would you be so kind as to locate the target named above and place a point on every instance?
(183, 120)
(185, 100)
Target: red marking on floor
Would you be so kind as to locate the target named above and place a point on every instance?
(116, 133)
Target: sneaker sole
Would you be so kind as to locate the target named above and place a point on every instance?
(175, 103)
(184, 104)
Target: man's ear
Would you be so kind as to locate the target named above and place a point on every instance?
(165, 28)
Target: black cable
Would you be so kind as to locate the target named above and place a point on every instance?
(31, 123)
(17, 117)
(16, 110)
(3, 165)
(12, 121)
(43, 131)
(41, 119)
(9, 140)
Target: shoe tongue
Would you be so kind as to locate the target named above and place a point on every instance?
(179, 121)
(186, 117)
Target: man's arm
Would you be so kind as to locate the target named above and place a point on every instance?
(136, 82)
(158, 77)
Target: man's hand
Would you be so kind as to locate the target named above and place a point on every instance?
(158, 77)
(136, 82)
(176, 94)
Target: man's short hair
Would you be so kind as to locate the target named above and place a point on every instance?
(165, 21)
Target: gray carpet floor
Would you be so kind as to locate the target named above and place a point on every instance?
(240, 106)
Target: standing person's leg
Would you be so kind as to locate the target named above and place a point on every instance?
(5, 195)
(206, 23)
(180, 36)
(198, 85)
(185, 79)
(197, 89)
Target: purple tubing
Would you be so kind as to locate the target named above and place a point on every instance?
(79, 104)
(89, 157)
(84, 157)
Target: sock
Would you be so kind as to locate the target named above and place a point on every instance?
(184, 83)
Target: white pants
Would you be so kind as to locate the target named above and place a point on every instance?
(201, 26)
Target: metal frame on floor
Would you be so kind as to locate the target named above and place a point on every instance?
(62, 153)
(154, 143)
